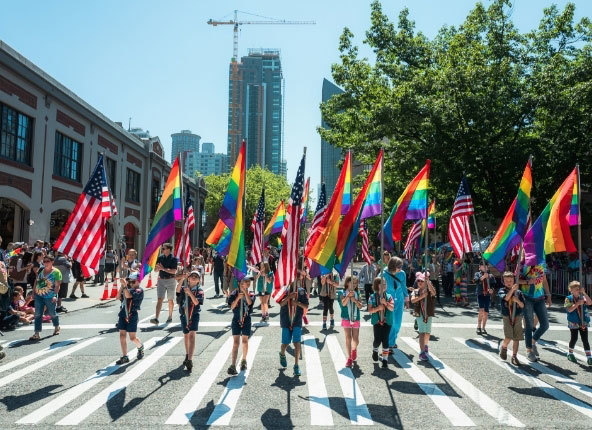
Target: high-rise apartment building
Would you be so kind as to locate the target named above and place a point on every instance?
(184, 141)
(255, 109)
(207, 148)
(330, 155)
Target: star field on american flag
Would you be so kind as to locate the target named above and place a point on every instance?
(94, 186)
(296, 196)
(261, 208)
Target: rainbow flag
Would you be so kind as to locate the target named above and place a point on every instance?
(14, 252)
(321, 245)
(432, 215)
(411, 205)
(346, 200)
(276, 223)
(514, 225)
(550, 232)
(305, 202)
(219, 238)
(163, 225)
(231, 214)
(367, 204)
(574, 215)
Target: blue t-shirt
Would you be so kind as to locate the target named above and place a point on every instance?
(285, 311)
(574, 318)
(131, 306)
(505, 308)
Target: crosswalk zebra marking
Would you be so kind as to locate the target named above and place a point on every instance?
(560, 349)
(566, 344)
(222, 413)
(354, 400)
(320, 410)
(448, 408)
(489, 405)
(37, 354)
(25, 371)
(535, 382)
(569, 382)
(77, 390)
(86, 409)
(188, 406)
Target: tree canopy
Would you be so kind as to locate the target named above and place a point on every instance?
(478, 98)
(276, 189)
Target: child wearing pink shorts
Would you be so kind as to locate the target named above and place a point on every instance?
(350, 303)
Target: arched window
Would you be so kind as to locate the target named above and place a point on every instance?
(130, 232)
(57, 222)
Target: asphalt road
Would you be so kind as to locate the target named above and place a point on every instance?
(70, 379)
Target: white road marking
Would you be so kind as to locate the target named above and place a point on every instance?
(577, 348)
(185, 410)
(77, 390)
(320, 410)
(37, 354)
(222, 413)
(481, 399)
(354, 400)
(26, 371)
(86, 409)
(535, 382)
(569, 382)
(448, 408)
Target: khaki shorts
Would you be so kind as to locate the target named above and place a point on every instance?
(166, 285)
(514, 333)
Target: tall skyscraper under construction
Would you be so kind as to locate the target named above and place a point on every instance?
(255, 109)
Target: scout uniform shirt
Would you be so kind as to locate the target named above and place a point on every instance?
(350, 311)
(388, 315)
(241, 316)
(130, 307)
(191, 311)
(285, 311)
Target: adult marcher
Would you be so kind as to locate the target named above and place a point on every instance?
(191, 298)
(366, 276)
(18, 269)
(537, 297)
(166, 264)
(435, 268)
(218, 273)
(45, 293)
(448, 280)
(396, 286)
(78, 280)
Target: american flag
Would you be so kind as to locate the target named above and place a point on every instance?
(257, 229)
(188, 225)
(84, 235)
(287, 264)
(364, 234)
(459, 232)
(412, 238)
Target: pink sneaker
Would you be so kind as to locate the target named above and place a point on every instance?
(354, 354)
(349, 362)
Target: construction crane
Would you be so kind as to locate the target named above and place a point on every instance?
(235, 127)
(235, 23)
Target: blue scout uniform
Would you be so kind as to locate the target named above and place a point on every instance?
(188, 311)
(128, 314)
(292, 329)
(241, 314)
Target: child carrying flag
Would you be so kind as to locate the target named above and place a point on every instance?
(131, 296)
(293, 306)
(264, 280)
(380, 306)
(512, 305)
(190, 299)
(241, 302)
(350, 303)
(578, 320)
(329, 284)
(423, 299)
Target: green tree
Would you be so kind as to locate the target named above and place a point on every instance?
(276, 189)
(478, 98)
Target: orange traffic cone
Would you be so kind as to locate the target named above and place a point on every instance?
(105, 292)
(149, 285)
(114, 289)
(207, 268)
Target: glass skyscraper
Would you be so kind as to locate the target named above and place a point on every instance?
(330, 155)
(255, 109)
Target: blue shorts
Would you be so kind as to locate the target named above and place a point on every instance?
(130, 326)
(193, 324)
(245, 330)
(484, 302)
(289, 336)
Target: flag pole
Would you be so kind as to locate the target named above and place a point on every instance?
(425, 259)
(580, 229)
(381, 208)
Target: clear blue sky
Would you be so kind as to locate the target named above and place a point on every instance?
(161, 64)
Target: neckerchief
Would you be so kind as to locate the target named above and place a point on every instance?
(512, 311)
(292, 307)
(128, 308)
(242, 311)
(424, 308)
(485, 284)
(352, 307)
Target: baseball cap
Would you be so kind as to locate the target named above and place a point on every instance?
(134, 276)
(194, 272)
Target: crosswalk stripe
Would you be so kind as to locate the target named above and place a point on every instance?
(566, 344)
(86, 409)
(77, 390)
(535, 382)
(52, 348)
(448, 408)
(39, 364)
(354, 400)
(320, 411)
(185, 410)
(569, 382)
(225, 407)
(481, 399)
(560, 349)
